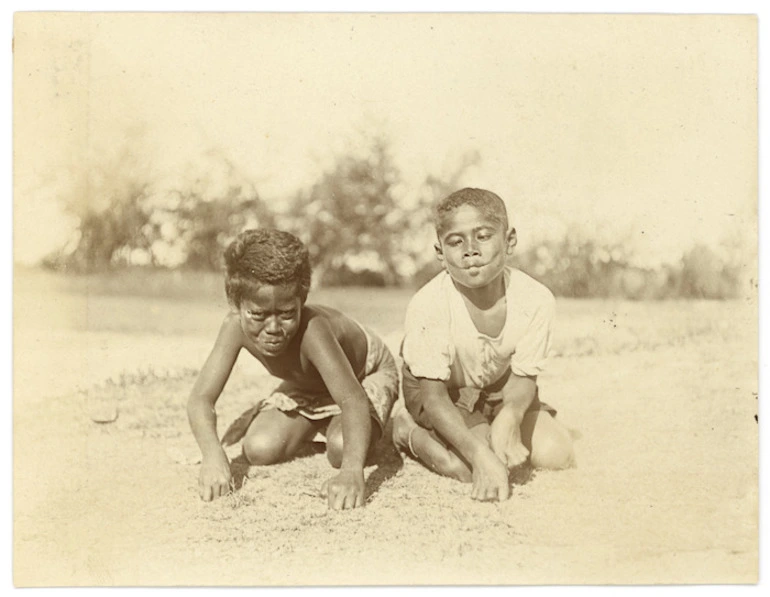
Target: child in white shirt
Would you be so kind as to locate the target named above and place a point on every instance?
(476, 338)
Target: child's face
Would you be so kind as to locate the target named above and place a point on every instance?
(270, 318)
(473, 247)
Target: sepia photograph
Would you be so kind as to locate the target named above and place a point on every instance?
(307, 299)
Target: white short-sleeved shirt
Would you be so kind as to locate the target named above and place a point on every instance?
(441, 341)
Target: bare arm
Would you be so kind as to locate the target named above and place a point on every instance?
(321, 347)
(518, 392)
(215, 471)
(505, 431)
(446, 420)
(490, 477)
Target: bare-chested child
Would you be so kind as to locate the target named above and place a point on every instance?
(476, 337)
(337, 375)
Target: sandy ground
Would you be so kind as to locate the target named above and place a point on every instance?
(661, 399)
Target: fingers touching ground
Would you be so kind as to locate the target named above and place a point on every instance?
(345, 490)
(340, 501)
(490, 477)
(212, 491)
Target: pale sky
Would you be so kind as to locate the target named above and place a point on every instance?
(637, 128)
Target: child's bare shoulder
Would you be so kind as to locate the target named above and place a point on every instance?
(231, 321)
(322, 319)
(231, 329)
(324, 325)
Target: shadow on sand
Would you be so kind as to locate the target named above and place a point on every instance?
(385, 457)
(388, 461)
(521, 475)
(240, 467)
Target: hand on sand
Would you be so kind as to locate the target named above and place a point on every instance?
(345, 490)
(214, 479)
(490, 477)
(505, 438)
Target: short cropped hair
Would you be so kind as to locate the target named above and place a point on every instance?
(265, 256)
(486, 202)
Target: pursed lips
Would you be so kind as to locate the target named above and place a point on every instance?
(474, 265)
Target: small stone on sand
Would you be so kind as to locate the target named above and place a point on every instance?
(101, 411)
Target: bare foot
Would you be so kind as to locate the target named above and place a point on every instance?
(505, 438)
(403, 424)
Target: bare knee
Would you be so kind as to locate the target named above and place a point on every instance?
(334, 449)
(553, 451)
(334, 442)
(263, 449)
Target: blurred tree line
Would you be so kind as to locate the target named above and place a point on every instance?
(357, 230)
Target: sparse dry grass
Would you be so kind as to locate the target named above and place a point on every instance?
(661, 395)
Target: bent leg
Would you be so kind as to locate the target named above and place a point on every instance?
(434, 455)
(334, 441)
(426, 448)
(548, 441)
(275, 436)
(417, 439)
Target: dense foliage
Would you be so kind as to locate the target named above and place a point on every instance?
(355, 225)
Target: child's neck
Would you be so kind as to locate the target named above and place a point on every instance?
(486, 297)
(486, 307)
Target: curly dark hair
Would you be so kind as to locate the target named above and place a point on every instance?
(265, 256)
(485, 201)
